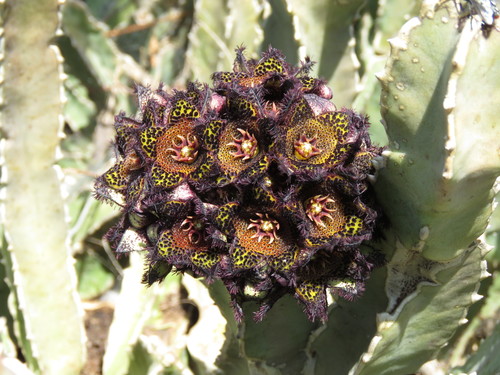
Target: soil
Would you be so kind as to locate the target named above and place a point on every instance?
(98, 317)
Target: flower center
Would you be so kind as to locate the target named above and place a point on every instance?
(315, 208)
(305, 148)
(193, 226)
(186, 150)
(319, 208)
(246, 145)
(265, 227)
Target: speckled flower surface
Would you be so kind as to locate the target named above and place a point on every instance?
(259, 181)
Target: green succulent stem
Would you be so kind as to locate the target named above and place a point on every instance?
(48, 307)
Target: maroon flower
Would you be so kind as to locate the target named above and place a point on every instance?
(258, 181)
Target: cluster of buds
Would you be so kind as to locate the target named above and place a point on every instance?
(258, 181)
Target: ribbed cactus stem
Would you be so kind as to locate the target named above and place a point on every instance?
(43, 278)
(437, 184)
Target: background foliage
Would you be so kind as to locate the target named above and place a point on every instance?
(60, 316)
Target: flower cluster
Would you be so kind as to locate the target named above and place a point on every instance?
(259, 181)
